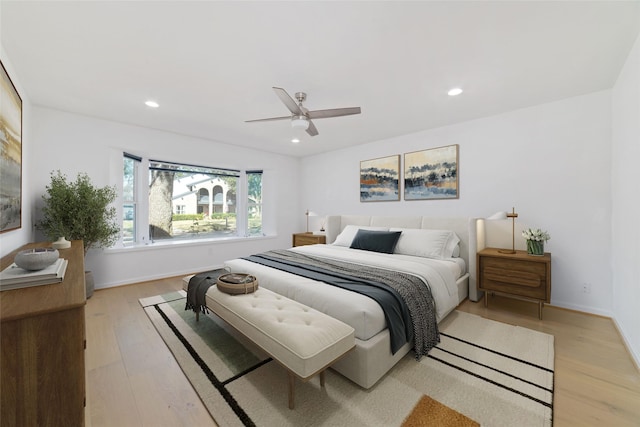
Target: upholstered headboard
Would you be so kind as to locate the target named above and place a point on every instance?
(469, 230)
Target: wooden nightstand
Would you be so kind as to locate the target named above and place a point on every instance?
(517, 275)
(301, 239)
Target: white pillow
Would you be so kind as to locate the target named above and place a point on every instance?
(456, 251)
(346, 236)
(438, 244)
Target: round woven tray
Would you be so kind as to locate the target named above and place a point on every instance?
(237, 283)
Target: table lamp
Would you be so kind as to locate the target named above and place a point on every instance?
(504, 215)
(309, 213)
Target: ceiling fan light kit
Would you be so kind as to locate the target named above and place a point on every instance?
(301, 117)
(300, 122)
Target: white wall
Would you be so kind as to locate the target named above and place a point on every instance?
(625, 190)
(11, 240)
(552, 162)
(73, 143)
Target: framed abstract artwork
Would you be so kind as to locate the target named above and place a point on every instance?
(431, 174)
(10, 154)
(380, 179)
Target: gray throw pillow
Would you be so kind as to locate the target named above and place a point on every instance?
(376, 241)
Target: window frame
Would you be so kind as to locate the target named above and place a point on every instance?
(133, 202)
(141, 215)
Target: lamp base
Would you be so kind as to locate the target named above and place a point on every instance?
(506, 251)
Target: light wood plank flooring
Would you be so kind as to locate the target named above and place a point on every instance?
(133, 380)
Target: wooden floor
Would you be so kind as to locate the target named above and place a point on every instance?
(133, 380)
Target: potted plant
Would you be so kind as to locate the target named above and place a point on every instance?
(535, 240)
(79, 211)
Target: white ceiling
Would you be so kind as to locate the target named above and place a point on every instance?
(211, 64)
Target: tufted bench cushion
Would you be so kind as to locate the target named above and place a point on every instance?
(303, 340)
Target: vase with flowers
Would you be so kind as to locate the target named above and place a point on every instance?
(535, 240)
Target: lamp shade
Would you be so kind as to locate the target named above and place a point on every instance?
(497, 215)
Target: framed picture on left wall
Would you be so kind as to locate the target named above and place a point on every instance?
(10, 154)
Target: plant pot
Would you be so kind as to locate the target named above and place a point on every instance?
(61, 243)
(535, 247)
(89, 283)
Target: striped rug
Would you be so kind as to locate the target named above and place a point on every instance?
(482, 372)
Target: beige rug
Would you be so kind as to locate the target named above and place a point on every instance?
(482, 372)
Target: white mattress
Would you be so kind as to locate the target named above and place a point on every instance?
(359, 311)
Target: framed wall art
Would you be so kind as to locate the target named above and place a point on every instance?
(10, 154)
(431, 174)
(380, 179)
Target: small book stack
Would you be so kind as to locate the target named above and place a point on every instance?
(14, 277)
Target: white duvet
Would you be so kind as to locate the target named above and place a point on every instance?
(359, 311)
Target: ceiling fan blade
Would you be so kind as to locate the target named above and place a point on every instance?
(311, 130)
(269, 119)
(289, 102)
(334, 112)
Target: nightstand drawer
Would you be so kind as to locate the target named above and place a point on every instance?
(517, 277)
(302, 239)
(523, 278)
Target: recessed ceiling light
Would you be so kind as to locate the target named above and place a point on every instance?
(152, 104)
(295, 140)
(455, 91)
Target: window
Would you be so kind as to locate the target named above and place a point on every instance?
(129, 198)
(254, 203)
(207, 197)
(165, 201)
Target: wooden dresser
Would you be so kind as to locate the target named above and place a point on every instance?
(301, 239)
(517, 275)
(42, 374)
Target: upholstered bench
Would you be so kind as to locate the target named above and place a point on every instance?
(303, 340)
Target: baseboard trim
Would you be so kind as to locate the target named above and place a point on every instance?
(635, 358)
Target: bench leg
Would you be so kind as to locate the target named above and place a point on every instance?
(197, 316)
(322, 379)
(292, 383)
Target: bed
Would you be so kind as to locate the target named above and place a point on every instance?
(439, 251)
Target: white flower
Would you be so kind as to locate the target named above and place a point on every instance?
(537, 235)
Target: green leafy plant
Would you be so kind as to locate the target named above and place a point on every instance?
(79, 211)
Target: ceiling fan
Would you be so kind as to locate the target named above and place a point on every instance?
(301, 117)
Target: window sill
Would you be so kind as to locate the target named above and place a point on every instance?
(184, 243)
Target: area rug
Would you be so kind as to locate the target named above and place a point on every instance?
(482, 373)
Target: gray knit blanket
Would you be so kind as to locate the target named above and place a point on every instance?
(415, 294)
